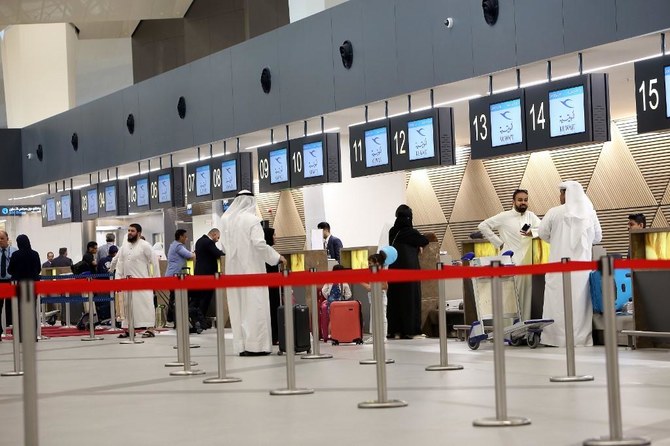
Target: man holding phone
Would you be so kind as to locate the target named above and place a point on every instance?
(516, 229)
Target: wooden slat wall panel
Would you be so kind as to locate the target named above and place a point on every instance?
(422, 199)
(289, 244)
(577, 163)
(449, 244)
(477, 198)
(461, 231)
(541, 180)
(650, 151)
(506, 174)
(438, 229)
(659, 221)
(614, 225)
(447, 180)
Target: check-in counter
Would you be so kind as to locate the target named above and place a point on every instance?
(651, 305)
(299, 261)
(482, 248)
(357, 258)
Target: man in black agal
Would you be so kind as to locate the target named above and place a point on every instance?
(404, 299)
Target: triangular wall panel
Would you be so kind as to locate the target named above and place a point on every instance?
(506, 174)
(659, 221)
(449, 244)
(447, 180)
(477, 199)
(576, 163)
(541, 180)
(287, 222)
(617, 181)
(423, 201)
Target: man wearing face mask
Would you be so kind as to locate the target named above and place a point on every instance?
(516, 228)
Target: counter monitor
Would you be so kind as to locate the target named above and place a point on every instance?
(143, 192)
(422, 139)
(92, 199)
(229, 175)
(421, 142)
(652, 94)
(506, 126)
(376, 147)
(566, 111)
(666, 74)
(66, 206)
(279, 166)
(312, 155)
(314, 159)
(110, 198)
(164, 188)
(202, 181)
(369, 148)
(273, 169)
(51, 209)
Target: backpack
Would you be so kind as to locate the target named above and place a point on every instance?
(80, 267)
(83, 323)
(335, 293)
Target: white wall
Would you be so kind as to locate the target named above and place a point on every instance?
(152, 223)
(103, 66)
(49, 238)
(299, 9)
(358, 208)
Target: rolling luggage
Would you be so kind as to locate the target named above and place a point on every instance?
(324, 320)
(346, 322)
(622, 289)
(301, 332)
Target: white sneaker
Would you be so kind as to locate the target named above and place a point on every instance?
(368, 340)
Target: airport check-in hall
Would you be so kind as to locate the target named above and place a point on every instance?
(467, 204)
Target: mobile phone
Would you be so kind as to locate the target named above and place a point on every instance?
(525, 227)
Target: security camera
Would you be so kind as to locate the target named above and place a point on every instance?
(449, 22)
(29, 155)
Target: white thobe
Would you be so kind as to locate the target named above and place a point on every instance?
(138, 261)
(573, 238)
(243, 242)
(508, 224)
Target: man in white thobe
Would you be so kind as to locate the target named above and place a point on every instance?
(571, 229)
(136, 259)
(247, 252)
(513, 237)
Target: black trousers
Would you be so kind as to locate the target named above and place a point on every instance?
(7, 303)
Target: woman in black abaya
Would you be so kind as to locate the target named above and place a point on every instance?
(404, 298)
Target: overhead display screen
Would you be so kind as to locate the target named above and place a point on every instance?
(279, 166)
(273, 169)
(229, 175)
(66, 206)
(110, 198)
(203, 185)
(166, 188)
(369, 148)
(143, 192)
(51, 209)
(652, 94)
(422, 139)
(312, 155)
(89, 203)
(92, 196)
(376, 147)
(506, 127)
(566, 111)
(199, 182)
(314, 159)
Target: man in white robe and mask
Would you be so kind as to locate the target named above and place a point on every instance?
(136, 259)
(247, 252)
(571, 229)
(512, 236)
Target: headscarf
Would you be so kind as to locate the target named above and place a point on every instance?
(269, 236)
(579, 210)
(403, 221)
(23, 242)
(239, 218)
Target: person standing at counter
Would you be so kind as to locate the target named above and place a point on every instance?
(404, 298)
(571, 229)
(516, 228)
(103, 250)
(50, 257)
(247, 253)
(177, 256)
(635, 221)
(62, 259)
(331, 244)
(6, 252)
(207, 257)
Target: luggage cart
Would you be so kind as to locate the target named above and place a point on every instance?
(529, 330)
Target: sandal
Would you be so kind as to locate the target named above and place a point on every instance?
(124, 335)
(148, 334)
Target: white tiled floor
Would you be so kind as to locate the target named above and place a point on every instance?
(104, 393)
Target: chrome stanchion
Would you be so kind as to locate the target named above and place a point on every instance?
(382, 401)
(27, 299)
(91, 315)
(178, 310)
(569, 332)
(316, 343)
(442, 321)
(112, 308)
(612, 362)
(15, 341)
(221, 340)
(290, 347)
(67, 311)
(183, 334)
(130, 319)
(501, 418)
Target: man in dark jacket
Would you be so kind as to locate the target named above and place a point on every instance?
(62, 259)
(207, 257)
(90, 258)
(25, 264)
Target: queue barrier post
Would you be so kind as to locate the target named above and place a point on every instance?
(606, 266)
(67, 312)
(290, 347)
(130, 319)
(569, 332)
(112, 308)
(183, 333)
(91, 318)
(221, 340)
(40, 318)
(442, 321)
(16, 346)
(382, 401)
(316, 344)
(26, 292)
(373, 319)
(501, 419)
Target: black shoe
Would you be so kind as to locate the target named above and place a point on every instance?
(246, 353)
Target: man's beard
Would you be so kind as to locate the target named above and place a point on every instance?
(521, 209)
(132, 239)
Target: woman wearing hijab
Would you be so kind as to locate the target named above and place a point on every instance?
(404, 299)
(274, 292)
(25, 264)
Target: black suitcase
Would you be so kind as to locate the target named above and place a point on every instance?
(301, 332)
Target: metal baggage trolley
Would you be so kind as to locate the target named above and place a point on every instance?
(515, 333)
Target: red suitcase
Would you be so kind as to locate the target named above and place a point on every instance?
(323, 320)
(346, 322)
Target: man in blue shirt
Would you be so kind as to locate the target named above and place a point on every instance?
(6, 252)
(177, 256)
